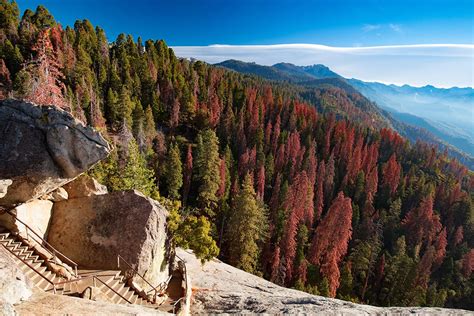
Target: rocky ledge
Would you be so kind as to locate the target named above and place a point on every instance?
(41, 303)
(219, 288)
(41, 149)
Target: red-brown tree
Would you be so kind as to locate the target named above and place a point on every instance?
(421, 224)
(391, 174)
(188, 171)
(45, 86)
(331, 239)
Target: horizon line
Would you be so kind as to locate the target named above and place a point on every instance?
(280, 45)
(418, 60)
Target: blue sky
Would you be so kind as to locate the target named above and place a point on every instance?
(327, 22)
(191, 26)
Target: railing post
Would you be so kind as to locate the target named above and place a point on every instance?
(94, 281)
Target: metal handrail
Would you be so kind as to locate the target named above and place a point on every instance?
(94, 277)
(176, 303)
(32, 268)
(43, 242)
(55, 285)
(163, 285)
(153, 288)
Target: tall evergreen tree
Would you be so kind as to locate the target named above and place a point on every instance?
(135, 175)
(206, 168)
(173, 173)
(246, 229)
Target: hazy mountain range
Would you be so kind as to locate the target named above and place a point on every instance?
(444, 115)
(447, 113)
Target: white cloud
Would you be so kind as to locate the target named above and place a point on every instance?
(371, 27)
(442, 65)
(395, 27)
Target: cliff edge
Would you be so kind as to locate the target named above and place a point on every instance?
(219, 288)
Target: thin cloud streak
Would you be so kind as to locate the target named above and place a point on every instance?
(442, 65)
(395, 27)
(371, 27)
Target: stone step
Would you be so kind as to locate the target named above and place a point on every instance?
(32, 274)
(113, 284)
(41, 282)
(25, 254)
(31, 259)
(20, 248)
(14, 243)
(134, 298)
(12, 246)
(117, 299)
(121, 290)
(129, 295)
(124, 290)
(34, 259)
(113, 278)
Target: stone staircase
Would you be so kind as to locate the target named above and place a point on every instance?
(30, 263)
(112, 283)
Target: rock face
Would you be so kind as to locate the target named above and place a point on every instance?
(35, 214)
(49, 304)
(42, 148)
(13, 285)
(93, 230)
(84, 186)
(4, 184)
(57, 195)
(220, 288)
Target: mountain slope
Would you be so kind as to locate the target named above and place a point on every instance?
(322, 87)
(447, 113)
(408, 125)
(266, 72)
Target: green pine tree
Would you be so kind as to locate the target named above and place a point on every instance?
(150, 128)
(135, 175)
(324, 287)
(207, 165)
(191, 232)
(173, 172)
(9, 17)
(246, 228)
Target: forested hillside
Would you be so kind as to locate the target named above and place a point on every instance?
(318, 79)
(319, 196)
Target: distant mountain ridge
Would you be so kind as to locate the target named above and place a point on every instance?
(395, 103)
(281, 71)
(447, 113)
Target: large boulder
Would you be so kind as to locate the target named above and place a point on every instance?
(60, 194)
(4, 184)
(93, 230)
(14, 286)
(43, 148)
(36, 214)
(84, 186)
